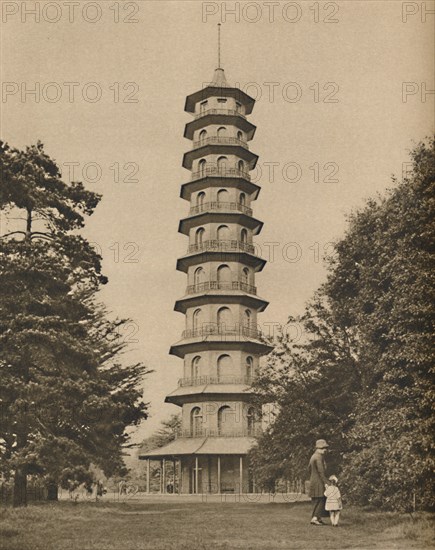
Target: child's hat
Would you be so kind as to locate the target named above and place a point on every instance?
(333, 478)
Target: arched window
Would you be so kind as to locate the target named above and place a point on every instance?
(198, 276)
(249, 367)
(238, 107)
(245, 276)
(202, 164)
(197, 320)
(222, 164)
(222, 131)
(199, 237)
(196, 422)
(202, 135)
(225, 420)
(241, 166)
(222, 196)
(240, 136)
(224, 277)
(247, 318)
(225, 319)
(223, 234)
(242, 199)
(244, 236)
(200, 198)
(251, 420)
(224, 368)
(195, 368)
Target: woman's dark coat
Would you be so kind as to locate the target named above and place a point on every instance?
(318, 477)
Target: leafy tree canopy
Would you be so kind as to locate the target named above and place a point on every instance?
(363, 376)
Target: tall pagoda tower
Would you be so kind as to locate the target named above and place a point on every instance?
(221, 345)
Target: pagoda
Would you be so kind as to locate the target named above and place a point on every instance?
(221, 345)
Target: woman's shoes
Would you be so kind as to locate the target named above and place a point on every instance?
(315, 521)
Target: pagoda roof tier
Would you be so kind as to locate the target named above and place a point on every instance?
(201, 446)
(219, 116)
(190, 394)
(216, 342)
(218, 181)
(219, 89)
(218, 216)
(217, 296)
(217, 255)
(222, 149)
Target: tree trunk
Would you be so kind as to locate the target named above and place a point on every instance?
(20, 487)
(20, 474)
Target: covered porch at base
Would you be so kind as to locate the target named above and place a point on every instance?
(211, 465)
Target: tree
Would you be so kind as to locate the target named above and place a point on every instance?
(363, 375)
(167, 432)
(66, 399)
(313, 385)
(164, 435)
(384, 274)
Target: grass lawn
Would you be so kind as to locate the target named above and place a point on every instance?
(135, 525)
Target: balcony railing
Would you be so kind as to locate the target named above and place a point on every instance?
(221, 246)
(253, 432)
(203, 380)
(220, 172)
(218, 285)
(219, 207)
(213, 329)
(218, 140)
(231, 112)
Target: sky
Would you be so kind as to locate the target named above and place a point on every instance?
(343, 91)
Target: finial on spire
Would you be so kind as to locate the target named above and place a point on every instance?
(219, 46)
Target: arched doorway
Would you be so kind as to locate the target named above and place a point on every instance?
(249, 368)
(223, 198)
(197, 320)
(200, 199)
(224, 277)
(201, 167)
(224, 368)
(199, 237)
(225, 420)
(196, 422)
(225, 320)
(222, 165)
(224, 237)
(195, 368)
(198, 278)
(222, 132)
(251, 420)
(202, 136)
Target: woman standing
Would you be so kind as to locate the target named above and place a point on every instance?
(318, 482)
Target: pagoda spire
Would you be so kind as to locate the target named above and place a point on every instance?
(219, 46)
(219, 80)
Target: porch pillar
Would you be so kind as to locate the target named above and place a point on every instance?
(148, 476)
(164, 476)
(241, 474)
(196, 475)
(219, 474)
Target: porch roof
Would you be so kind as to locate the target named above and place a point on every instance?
(201, 446)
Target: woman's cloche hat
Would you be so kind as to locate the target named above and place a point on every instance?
(321, 444)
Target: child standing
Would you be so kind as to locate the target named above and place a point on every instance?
(333, 501)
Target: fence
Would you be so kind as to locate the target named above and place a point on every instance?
(36, 492)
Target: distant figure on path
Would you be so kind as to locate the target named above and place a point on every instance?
(318, 482)
(122, 487)
(333, 501)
